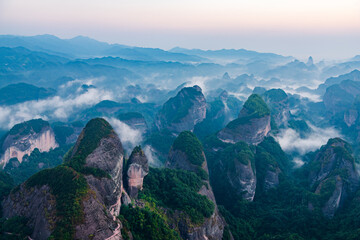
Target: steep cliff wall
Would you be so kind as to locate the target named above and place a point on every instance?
(187, 154)
(252, 125)
(85, 191)
(137, 169)
(183, 111)
(23, 138)
(333, 175)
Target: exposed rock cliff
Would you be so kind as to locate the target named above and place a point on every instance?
(252, 125)
(187, 154)
(271, 162)
(36, 204)
(137, 169)
(23, 138)
(241, 171)
(237, 167)
(103, 150)
(278, 102)
(183, 111)
(333, 175)
(90, 183)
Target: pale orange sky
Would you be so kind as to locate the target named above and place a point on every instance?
(323, 28)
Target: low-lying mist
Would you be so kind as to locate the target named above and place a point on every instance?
(291, 142)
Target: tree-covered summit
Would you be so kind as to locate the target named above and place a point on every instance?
(188, 143)
(255, 105)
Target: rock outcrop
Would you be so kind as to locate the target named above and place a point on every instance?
(340, 97)
(23, 138)
(278, 102)
(37, 204)
(333, 175)
(252, 125)
(350, 117)
(187, 154)
(108, 157)
(271, 162)
(137, 169)
(237, 163)
(135, 120)
(183, 111)
(310, 61)
(92, 173)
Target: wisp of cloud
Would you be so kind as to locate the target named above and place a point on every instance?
(290, 140)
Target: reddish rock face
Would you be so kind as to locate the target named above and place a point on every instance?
(101, 206)
(19, 145)
(109, 157)
(252, 132)
(252, 125)
(138, 168)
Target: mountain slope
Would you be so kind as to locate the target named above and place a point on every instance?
(80, 198)
(183, 111)
(252, 125)
(24, 137)
(22, 92)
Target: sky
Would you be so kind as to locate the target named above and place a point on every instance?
(325, 29)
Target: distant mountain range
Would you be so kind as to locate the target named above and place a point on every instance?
(84, 47)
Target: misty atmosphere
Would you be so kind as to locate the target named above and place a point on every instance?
(218, 126)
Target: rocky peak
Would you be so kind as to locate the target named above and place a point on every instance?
(187, 154)
(278, 102)
(259, 90)
(183, 111)
(224, 96)
(89, 182)
(98, 146)
(252, 124)
(310, 61)
(138, 168)
(238, 164)
(24, 137)
(226, 77)
(333, 175)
